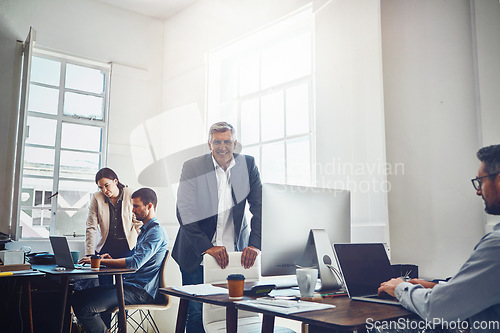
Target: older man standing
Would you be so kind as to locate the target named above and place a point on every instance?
(211, 200)
(472, 296)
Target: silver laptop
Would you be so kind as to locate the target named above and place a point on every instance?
(364, 267)
(62, 254)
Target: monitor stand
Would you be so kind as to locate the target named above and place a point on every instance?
(319, 252)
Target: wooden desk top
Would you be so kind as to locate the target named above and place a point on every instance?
(222, 300)
(347, 314)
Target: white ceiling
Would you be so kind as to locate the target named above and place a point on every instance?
(161, 9)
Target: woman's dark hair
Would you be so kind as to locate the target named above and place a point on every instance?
(108, 173)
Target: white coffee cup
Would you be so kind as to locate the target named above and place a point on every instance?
(307, 278)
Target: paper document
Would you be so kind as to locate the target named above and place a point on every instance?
(286, 306)
(201, 289)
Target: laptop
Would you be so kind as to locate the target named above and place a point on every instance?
(62, 254)
(364, 267)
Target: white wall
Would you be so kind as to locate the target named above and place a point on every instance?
(350, 142)
(431, 126)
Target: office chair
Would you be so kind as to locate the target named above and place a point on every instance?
(145, 321)
(214, 317)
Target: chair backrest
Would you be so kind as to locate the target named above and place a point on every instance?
(165, 299)
(212, 273)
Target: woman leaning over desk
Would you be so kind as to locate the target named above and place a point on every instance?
(111, 225)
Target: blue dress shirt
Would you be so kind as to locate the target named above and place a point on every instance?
(147, 258)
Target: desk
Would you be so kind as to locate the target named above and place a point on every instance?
(25, 278)
(346, 316)
(67, 274)
(220, 300)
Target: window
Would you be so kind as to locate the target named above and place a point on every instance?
(64, 143)
(263, 85)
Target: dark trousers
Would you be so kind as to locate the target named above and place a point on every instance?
(88, 304)
(194, 322)
(116, 248)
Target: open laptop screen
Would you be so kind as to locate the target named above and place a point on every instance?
(364, 267)
(61, 251)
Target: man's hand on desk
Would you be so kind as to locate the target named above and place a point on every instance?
(248, 256)
(220, 254)
(389, 286)
(84, 260)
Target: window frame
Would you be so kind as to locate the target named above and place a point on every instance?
(60, 118)
(218, 56)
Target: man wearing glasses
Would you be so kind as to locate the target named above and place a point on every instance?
(211, 199)
(473, 294)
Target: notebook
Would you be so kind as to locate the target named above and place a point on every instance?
(364, 267)
(62, 254)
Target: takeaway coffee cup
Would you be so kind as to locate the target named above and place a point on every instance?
(95, 262)
(306, 279)
(235, 285)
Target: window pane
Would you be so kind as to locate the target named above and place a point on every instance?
(81, 137)
(35, 192)
(273, 163)
(42, 99)
(253, 151)
(72, 207)
(38, 161)
(83, 105)
(41, 131)
(75, 195)
(250, 122)
(228, 75)
(249, 74)
(33, 186)
(297, 110)
(277, 64)
(273, 122)
(46, 71)
(79, 165)
(84, 78)
(70, 222)
(298, 165)
(35, 222)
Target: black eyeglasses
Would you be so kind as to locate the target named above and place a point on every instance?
(476, 182)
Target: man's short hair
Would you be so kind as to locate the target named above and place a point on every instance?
(221, 127)
(490, 156)
(146, 195)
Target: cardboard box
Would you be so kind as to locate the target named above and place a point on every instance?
(13, 268)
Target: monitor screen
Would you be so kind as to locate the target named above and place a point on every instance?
(289, 213)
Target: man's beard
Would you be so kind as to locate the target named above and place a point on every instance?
(493, 209)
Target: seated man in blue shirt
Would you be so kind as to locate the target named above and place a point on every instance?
(140, 287)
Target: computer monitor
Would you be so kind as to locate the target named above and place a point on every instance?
(289, 213)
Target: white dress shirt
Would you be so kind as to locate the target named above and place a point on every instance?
(224, 234)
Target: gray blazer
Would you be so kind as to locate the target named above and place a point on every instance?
(197, 208)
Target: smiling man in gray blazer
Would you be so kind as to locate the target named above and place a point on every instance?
(211, 200)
